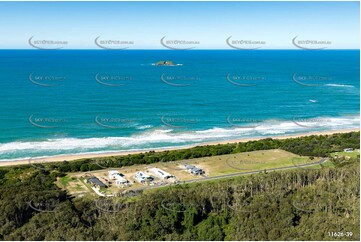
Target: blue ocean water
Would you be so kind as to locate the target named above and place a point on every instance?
(78, 101)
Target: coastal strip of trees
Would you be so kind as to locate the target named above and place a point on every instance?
(313, 145)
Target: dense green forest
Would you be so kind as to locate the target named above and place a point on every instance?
(298, 204)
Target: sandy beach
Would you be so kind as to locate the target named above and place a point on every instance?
(72, 157)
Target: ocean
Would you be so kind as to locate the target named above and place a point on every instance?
(57, 102)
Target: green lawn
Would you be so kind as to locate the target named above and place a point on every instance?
(65, 180)
(71, 184)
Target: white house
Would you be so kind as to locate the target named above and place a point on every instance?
(161, 174)
(113, 174)
(119, 178)
(141, 177)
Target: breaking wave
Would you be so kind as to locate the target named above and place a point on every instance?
(161, 138)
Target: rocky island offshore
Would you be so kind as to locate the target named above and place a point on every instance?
(165, 63)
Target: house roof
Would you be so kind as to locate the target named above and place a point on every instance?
(142, 174)
(112, 173)
(160, 172)
(189, 167)
(96, 181)
(196, 169)
(193, 168)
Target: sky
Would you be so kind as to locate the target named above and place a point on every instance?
(209, 24)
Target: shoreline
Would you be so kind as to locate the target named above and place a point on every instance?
(72, 157)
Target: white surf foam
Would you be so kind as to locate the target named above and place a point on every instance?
(144, 127)
(158, 138)
(338, 85)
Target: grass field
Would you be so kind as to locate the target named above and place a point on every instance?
(72, 184)
(249, 161)
(213, 166)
